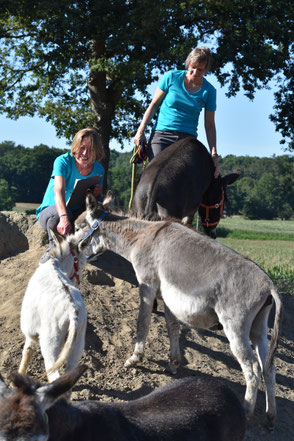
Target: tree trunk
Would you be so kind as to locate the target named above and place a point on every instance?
(104, 94)
(103, 111)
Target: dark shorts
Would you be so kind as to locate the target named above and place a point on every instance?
(160, 140)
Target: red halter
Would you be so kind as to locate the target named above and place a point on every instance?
(220, 205)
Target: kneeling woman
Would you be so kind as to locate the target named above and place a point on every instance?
(81, 162)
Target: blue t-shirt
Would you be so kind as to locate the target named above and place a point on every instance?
(180, 109)
(65, 166)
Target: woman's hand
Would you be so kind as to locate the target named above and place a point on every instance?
(64, 225)
(139, 137)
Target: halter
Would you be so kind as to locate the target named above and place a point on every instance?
(220, 205)
(76, 267)
(94, 226)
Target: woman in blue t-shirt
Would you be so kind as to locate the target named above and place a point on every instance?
(181, 95)
(80, 163)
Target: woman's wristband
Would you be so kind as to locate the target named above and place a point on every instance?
(63, 215)
(214, 155)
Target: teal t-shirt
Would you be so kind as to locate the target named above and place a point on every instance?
(65, 166)
(180, 109)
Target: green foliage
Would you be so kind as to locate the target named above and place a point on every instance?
(91, 62)
(265, 189)
(27, 171)
(7, 199)
(120, 174)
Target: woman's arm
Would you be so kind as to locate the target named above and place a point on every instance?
(148, 115)
(64, 225)
(210, 130)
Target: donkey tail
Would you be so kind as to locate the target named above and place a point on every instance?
(68, 344)
(276, 328)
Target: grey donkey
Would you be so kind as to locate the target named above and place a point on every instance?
(202, 283)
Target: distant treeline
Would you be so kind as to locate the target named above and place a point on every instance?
(264, 191)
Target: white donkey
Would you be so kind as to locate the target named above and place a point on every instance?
(53, 313)
(202, 283)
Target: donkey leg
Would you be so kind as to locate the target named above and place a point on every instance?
(51, 342)
(27, 353)
(259, 340)
(271, 410)
(147, 296)
(240, 346)
(173, 327)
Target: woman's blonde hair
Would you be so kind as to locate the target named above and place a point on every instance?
(96, 145)
(199, 55)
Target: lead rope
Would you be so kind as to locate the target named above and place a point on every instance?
(133, 183)
(140, 155)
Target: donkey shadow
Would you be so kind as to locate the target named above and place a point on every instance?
(117, 266)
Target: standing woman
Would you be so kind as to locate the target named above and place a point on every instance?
(181, 95)
(80, 163)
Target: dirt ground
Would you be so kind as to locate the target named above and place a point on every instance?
(110, 292)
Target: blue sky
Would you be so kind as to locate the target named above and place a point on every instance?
(243, 127)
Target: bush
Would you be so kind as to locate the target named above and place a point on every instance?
(7, 199)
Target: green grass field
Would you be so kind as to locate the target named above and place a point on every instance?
(268, 226)
(268, 243)
(25, 207)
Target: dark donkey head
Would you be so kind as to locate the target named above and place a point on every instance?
(212, 205)
(23, 409)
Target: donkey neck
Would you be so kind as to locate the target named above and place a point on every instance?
(120, 236)
(67, 269)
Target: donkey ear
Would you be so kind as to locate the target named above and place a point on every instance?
(231, 178)
(57, 238)
(50, 393)
(91, 202)
(109, 199)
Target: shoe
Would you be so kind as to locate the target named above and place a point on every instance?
(45, 257)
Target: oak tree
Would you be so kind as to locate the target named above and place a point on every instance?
(90, 62)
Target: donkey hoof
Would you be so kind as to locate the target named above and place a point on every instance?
(133, 360)
(171, 369)
(129, 363)
(270, 422)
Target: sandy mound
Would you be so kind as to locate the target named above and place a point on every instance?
(111, 296)
(18, 232)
